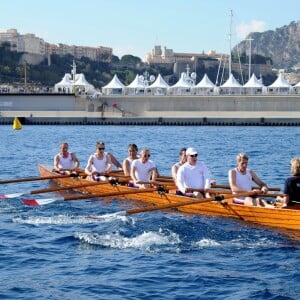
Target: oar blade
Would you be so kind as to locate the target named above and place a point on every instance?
(39, 202)
(11, 196)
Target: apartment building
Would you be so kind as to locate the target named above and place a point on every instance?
(32, 44)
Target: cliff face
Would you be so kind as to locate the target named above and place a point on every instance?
(281, 45)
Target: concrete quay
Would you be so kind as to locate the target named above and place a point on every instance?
(262, 110)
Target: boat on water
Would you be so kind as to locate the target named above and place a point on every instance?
(287, 218)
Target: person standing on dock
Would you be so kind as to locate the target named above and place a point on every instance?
(241, 179)
(291, 189)
(193, 176)
(65, 162)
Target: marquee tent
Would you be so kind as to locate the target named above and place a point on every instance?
(159, 86)
(253, 86)
(114, 87)
(135, 87)
(231, 86)
(182, 86)
(65, 85)
(82, 86)
(204, 87)
(280, 86)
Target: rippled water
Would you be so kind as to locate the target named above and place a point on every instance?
(58, 251)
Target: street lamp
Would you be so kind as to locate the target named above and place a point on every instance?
(146, 79)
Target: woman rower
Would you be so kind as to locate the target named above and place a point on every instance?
(132, 151)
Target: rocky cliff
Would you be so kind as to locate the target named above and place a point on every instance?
(282, 45)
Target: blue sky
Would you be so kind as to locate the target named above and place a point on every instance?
(134, 27)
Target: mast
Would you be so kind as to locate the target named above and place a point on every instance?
(25, 76)
(74, 70)
(249, 56)
(230, 24)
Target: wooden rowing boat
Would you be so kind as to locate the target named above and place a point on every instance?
(274, 217)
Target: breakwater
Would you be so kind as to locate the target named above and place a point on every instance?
(231, 110)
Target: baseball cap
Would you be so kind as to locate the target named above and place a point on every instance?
(191, 151)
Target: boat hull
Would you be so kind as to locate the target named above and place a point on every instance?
(274, 217)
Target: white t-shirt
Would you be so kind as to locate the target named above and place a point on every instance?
(99, 165)
(243, 181)
(143, 170)
(66, 162)
(193, 176)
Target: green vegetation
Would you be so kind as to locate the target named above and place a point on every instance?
(12, 69)
(255, 59)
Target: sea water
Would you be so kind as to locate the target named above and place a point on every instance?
(58, 251)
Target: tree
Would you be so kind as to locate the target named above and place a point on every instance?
(130, 60)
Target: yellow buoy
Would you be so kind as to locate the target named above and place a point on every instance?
(17, 124)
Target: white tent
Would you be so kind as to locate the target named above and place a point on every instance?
(204, 87)
(76, 84)
(159, 86)
(231, 86)
(297, 88)
(280, 86)
(253, 86)
(65, 85)
(114, 87)
(82, 85)
(181, 87)
(135, 87)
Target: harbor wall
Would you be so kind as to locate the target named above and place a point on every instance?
(151, 110)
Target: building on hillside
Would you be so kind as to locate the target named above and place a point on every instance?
(29, 43)
(23, 43)
(179, 60)
(158, 56)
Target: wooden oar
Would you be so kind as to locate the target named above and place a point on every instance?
(37, 202)
(36, 178)
(212, 191)
(227, 186)
(56, 189)
(214, 185)
(188, 202)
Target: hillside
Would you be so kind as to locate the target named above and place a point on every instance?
(281, 45)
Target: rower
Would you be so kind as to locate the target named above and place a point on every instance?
(241, 179)
(99, 164)
(65, 162)
(292, 185)
(193, 175)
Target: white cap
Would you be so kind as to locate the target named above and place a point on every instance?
(191, 151)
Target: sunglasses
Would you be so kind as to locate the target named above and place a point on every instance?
(147, 155)
(101, 148)
(194, 155)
